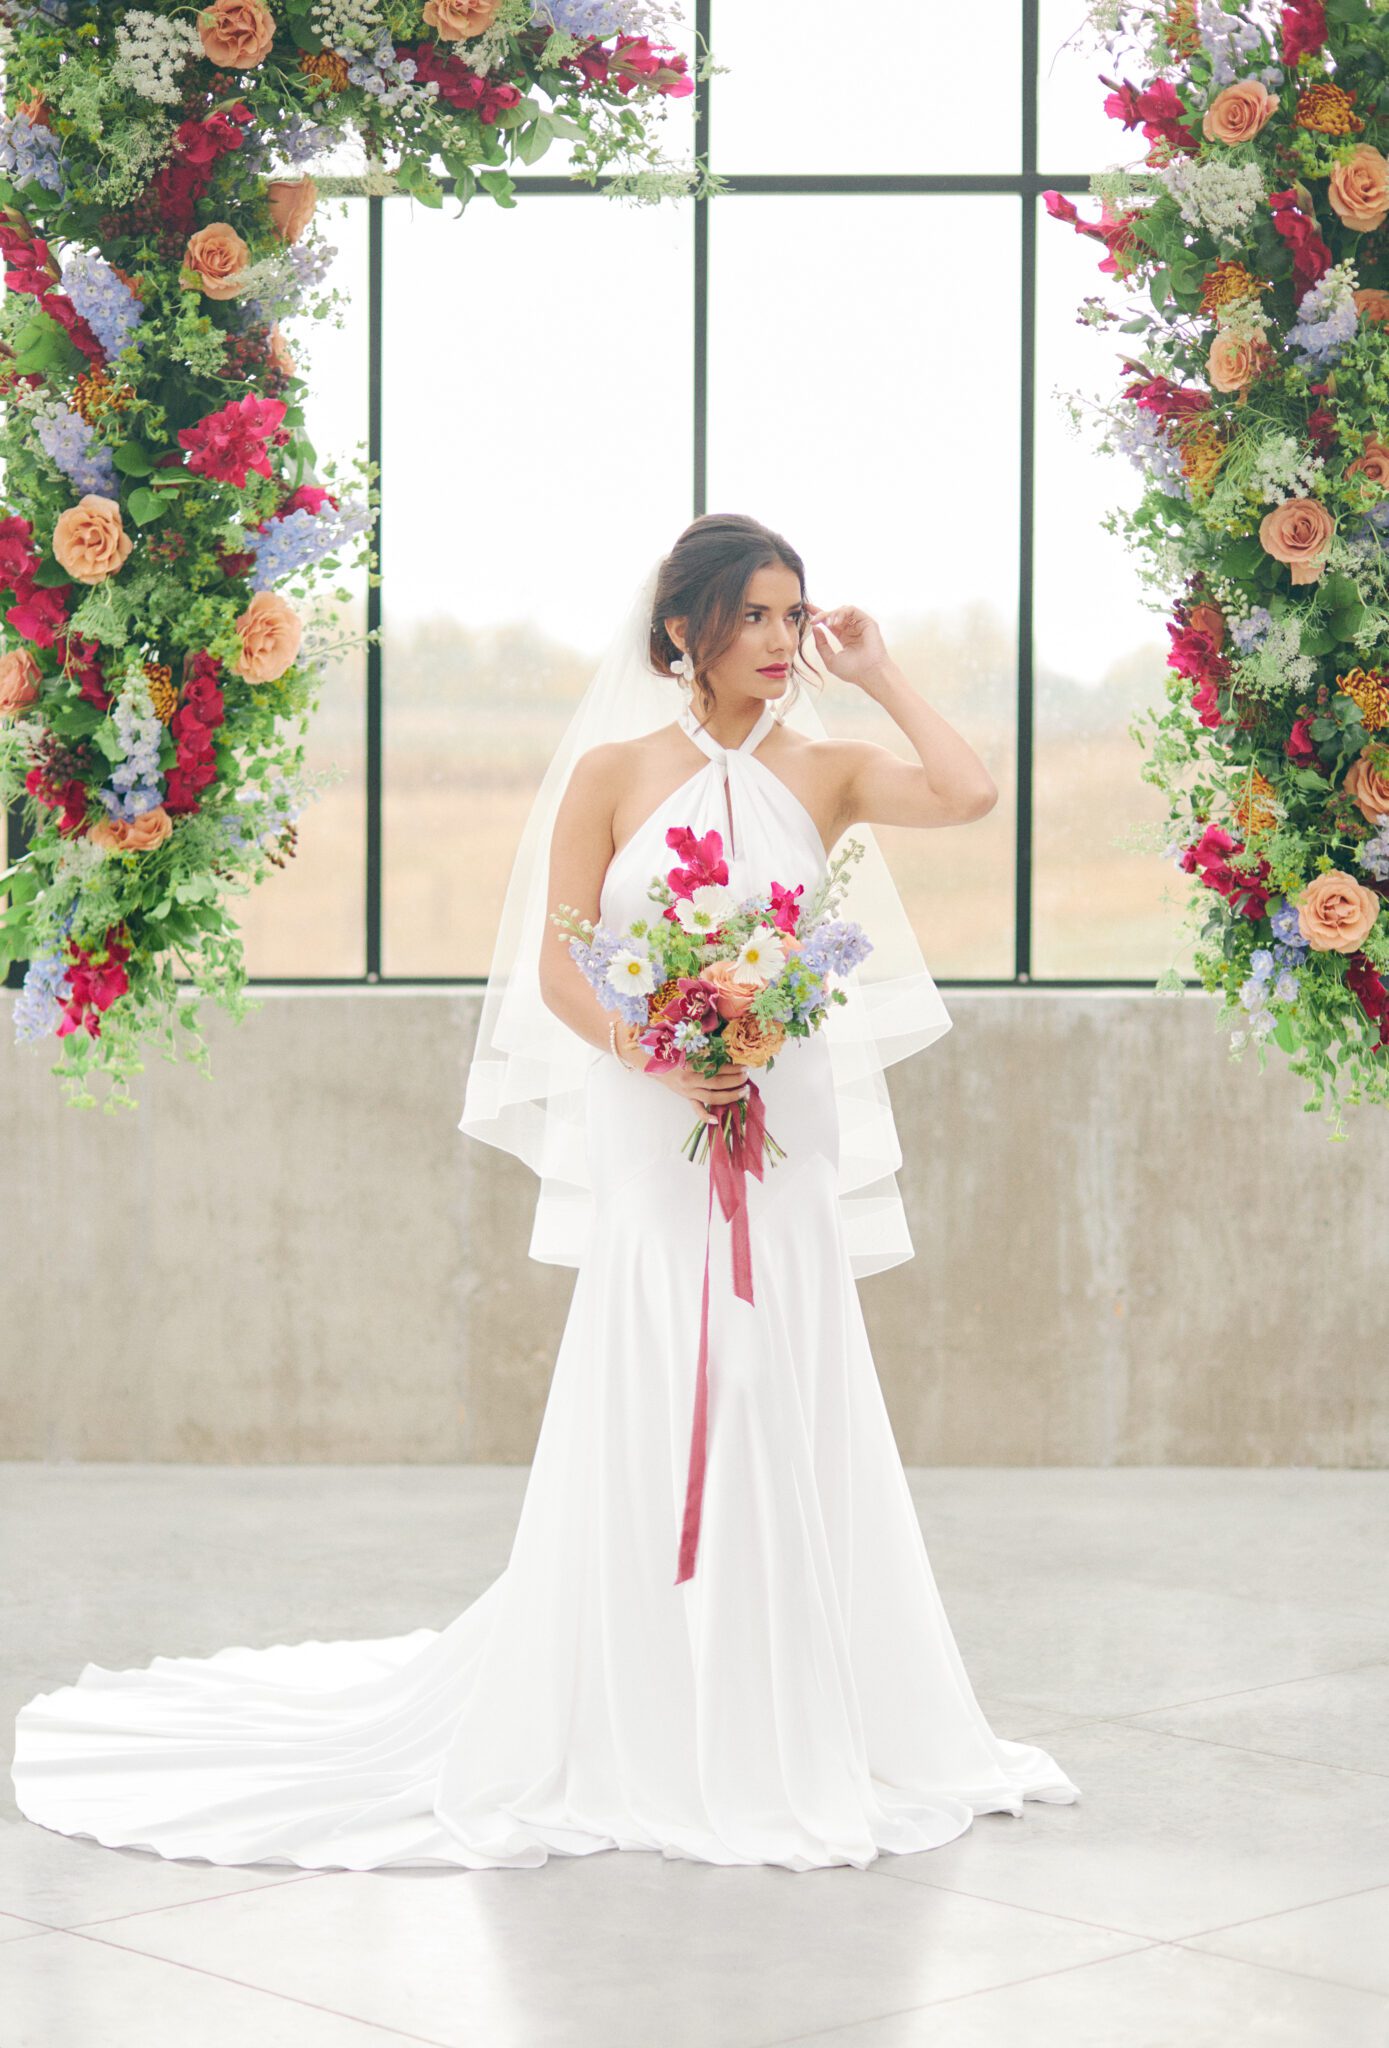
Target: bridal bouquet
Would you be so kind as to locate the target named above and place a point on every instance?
(719, 980)
(716, 980)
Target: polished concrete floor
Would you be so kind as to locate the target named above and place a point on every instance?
(1205, 1651)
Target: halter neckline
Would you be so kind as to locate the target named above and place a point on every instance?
(767, 718)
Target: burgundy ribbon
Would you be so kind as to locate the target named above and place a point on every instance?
(735, 1150)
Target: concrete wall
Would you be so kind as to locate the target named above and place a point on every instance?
(1130, 1249)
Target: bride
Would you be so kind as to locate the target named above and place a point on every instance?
(718, 1634)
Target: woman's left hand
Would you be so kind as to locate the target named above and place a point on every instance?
(863, 649)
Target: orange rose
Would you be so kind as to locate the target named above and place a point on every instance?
(19, 679)
(237, 34)
(277, 353)
(1373, 463)
(216, 255)
(1232, 362)
(1371, 303)
(1335, 913)
(752, 1041)
(735, 992)
(89, 540)
(270, 633)
(1358, 189)
(1298, 533)
(454, 20)
(1210, 620)
(133, 835)
(1369, 787)
(1239, 112)
(292, 201)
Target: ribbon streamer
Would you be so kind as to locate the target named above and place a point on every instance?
(733, 1154)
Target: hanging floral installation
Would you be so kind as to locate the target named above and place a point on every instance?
(166, 528)
(1255, 402)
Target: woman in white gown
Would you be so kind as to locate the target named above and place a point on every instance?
(800, 1700)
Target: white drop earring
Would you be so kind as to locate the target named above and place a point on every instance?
(684, 668)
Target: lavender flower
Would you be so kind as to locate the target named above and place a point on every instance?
(29, 154)
(380, 72)
(107, 304)
(585, 18)
(1373, 854)
(836, 947)
(1326, 319)
(135, 784)
(1248, 632)
(70, 443)
(1288, 931)
(593, 960)
(1229, 43)
(1142, 440)
(292, 544)
(38, 1008)
(299, 141)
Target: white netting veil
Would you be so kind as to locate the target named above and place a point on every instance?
(526, 1079)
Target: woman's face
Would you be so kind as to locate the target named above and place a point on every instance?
(767, 641)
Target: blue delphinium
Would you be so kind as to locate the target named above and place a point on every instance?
(1326, 320)
(69, 442)
(135, 785)
(588, 18)
(38, 1008)
(29, 154)
(303, 537)
(594, 959)
(1247, 633)
(105, 301)
(835, 947)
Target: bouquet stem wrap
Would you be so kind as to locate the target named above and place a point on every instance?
(735, 1153)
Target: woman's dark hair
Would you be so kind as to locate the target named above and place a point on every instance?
(704, 581)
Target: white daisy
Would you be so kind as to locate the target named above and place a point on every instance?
(762, 957)
(630, 973)
(710, 906)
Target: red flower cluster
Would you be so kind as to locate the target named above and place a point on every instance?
(1193, 654)
(1304, 29)
(93, 988)
(1298, 746)
(68, 796)
(200, 712)
(1369, 991)
(1115, 231)
(459, 86)
(1311, 257)
(786, 911)
(308, 498)
(198, 143)
(29, 268)
(82, 659)
(634, 61)
(1210, 855)
(1156, 106)
(38, 611)
(1165, 400)
(228, 444)
(704, 863)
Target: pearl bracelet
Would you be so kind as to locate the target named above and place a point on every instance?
(612, 1045)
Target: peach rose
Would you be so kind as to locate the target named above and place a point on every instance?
(19, 681)
(237, 34)
(270, 633)
(735, 993)
(1371, 303)
(1298, 533)
(1335, 912)
(1232, 362)
(1373, 463)
(292, 201)
(1358, 189)
(1367, 786)
(216, 255)
(1208, 619)
(1239, 112)
(454, 20)
(89, 540)
(752, 1041)
(133, 835)
(277, 353)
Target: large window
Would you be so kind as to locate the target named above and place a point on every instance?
(861, 342)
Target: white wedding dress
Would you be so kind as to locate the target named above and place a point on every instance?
(800, 1701)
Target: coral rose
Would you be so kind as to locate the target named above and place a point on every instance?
(1239, 112)
(1368, 786)
(19, 681)
(292, 201)
(752, 1041)
(89, 540)
(133, 835)
(216, 255)
(278, 354)
(1298, 532)
(1233, 362)
(735, 993)
(270, 633)
(237, 34)
(1335, 912)
(1358, 189)
(454, 20)
(1373, 463)
(1371, 303)
(1208, 619)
